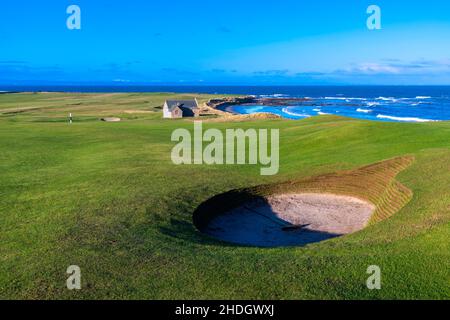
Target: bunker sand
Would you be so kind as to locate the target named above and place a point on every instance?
(309, 210)
(292, 219)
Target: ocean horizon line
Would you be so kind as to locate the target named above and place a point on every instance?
(289, 90)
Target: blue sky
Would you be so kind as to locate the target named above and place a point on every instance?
(244, 42)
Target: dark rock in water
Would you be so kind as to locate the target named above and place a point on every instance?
(282, 101)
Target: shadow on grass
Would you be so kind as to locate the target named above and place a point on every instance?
(184, 230)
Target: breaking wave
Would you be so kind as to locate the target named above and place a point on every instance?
(404, 119)
(387, 99)
(295, 114)
(363, 110)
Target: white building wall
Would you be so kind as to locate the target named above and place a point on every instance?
(166, 113)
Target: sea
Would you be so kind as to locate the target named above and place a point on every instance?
(377, 103)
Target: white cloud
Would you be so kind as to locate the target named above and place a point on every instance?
(370, 67)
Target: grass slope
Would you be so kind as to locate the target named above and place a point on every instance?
(106, 197)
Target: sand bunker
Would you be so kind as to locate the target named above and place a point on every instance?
(291, 220)
(111, 119)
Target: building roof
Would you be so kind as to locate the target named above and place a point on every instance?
(190, 104)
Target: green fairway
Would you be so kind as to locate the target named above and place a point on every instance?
(107, 197)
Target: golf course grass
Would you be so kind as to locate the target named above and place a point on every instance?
(107, 197)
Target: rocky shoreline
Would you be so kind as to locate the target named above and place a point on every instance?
(218, 107)
(223, 102)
